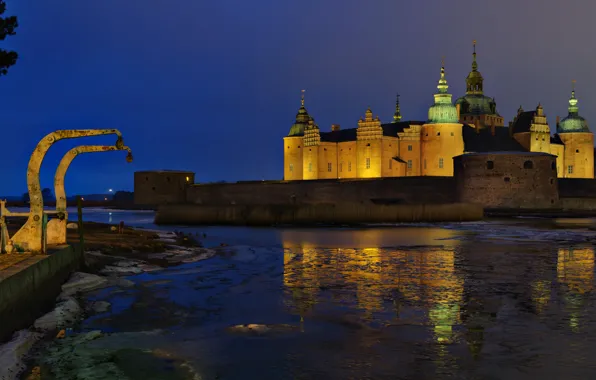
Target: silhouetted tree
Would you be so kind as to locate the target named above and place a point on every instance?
(7, 28)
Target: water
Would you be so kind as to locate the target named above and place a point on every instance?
(484, 300)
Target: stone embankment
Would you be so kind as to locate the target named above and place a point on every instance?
(343, 214)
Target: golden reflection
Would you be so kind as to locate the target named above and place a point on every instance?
(541, 295)
(375, 277)
(575, 268)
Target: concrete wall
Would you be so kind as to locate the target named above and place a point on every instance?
(430, 190)
(161, 187)
(29, 289)
(264, 215)
(507, 180)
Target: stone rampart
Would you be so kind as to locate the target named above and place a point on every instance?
(401, 190)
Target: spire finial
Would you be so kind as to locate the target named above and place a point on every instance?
(443, 61)
(474, 63)
(573, 108)
(397, 114)
(302, 99)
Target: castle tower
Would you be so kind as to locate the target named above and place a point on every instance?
(578, 161)
(397, 114)
(312, 141)
(293, 145)
(369, 146)
(475, 108)
(441, 136)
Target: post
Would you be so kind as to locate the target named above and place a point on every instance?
(80, 223)
(44, 234)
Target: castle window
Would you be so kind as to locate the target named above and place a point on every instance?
(438, 133)
(310, 166)
(452, 134)
(577, 151)
(440, 163)
(288, 147)
(409, 148)
(146, 178)
(390, 163)
(291, 168)
(298, 146)
(350, 166)
(341, 166)
(368, 163)
(490, 165)
(409, 164)
(528, 164)
(325, 149)
(507, 179)
(425, 163)
(570, 169)
(153, 188)
(368, 144)
(329, 166)
(552, 181)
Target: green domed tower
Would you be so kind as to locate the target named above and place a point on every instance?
(302, 119)
(443, 111)
(573, 122)
(474, 107)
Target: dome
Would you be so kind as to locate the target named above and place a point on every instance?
(573, 122)
(477, 105)
(443, 111)
(302, 120)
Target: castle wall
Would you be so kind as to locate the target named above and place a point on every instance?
(369, 155)
(293, 147)
(347, 159)
(388, 164)
(559, 151)
(428, 190)
(310, 162)
(161, 187)
(327, 160)
(507, 180)
(579, 155)
(440, 143)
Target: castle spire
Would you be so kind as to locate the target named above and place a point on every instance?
(474, 63)
(573, 108)
(397, 114)
(302, 100)
(442, 86)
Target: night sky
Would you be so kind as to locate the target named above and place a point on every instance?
(213, 86)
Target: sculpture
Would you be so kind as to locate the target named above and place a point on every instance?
(56, 231)
(30, 236)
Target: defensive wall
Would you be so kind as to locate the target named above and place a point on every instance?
(30, 287)
(515, 180)
(399, 190)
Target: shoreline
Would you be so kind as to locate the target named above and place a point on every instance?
(108, 259)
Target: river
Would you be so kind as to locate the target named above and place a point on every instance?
(498, 299)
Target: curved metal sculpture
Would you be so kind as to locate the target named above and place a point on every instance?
(57, 226)
(29, 237)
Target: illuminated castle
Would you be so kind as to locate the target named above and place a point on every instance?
(416, 148)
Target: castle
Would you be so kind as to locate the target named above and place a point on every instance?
(416, 148)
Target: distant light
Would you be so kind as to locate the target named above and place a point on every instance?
(187, 179)
(109, 213)
(82, 199)
(105, 199)
(110, 190)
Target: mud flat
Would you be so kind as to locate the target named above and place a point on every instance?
(351, 213)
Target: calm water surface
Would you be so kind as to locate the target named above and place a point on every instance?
(485, 300)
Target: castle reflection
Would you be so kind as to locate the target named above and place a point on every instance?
(376, 281)
(575, 271)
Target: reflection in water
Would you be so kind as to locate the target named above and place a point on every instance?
(377, 281)
(575, 270)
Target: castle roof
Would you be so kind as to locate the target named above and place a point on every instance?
(523, 122)
(389, 129)
(483, 140)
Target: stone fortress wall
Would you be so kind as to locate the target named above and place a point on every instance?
(507, 180)
(161, 187)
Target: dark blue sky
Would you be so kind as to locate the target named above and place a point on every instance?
(213, 86)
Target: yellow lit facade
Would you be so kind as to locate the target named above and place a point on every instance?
(414, 148)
